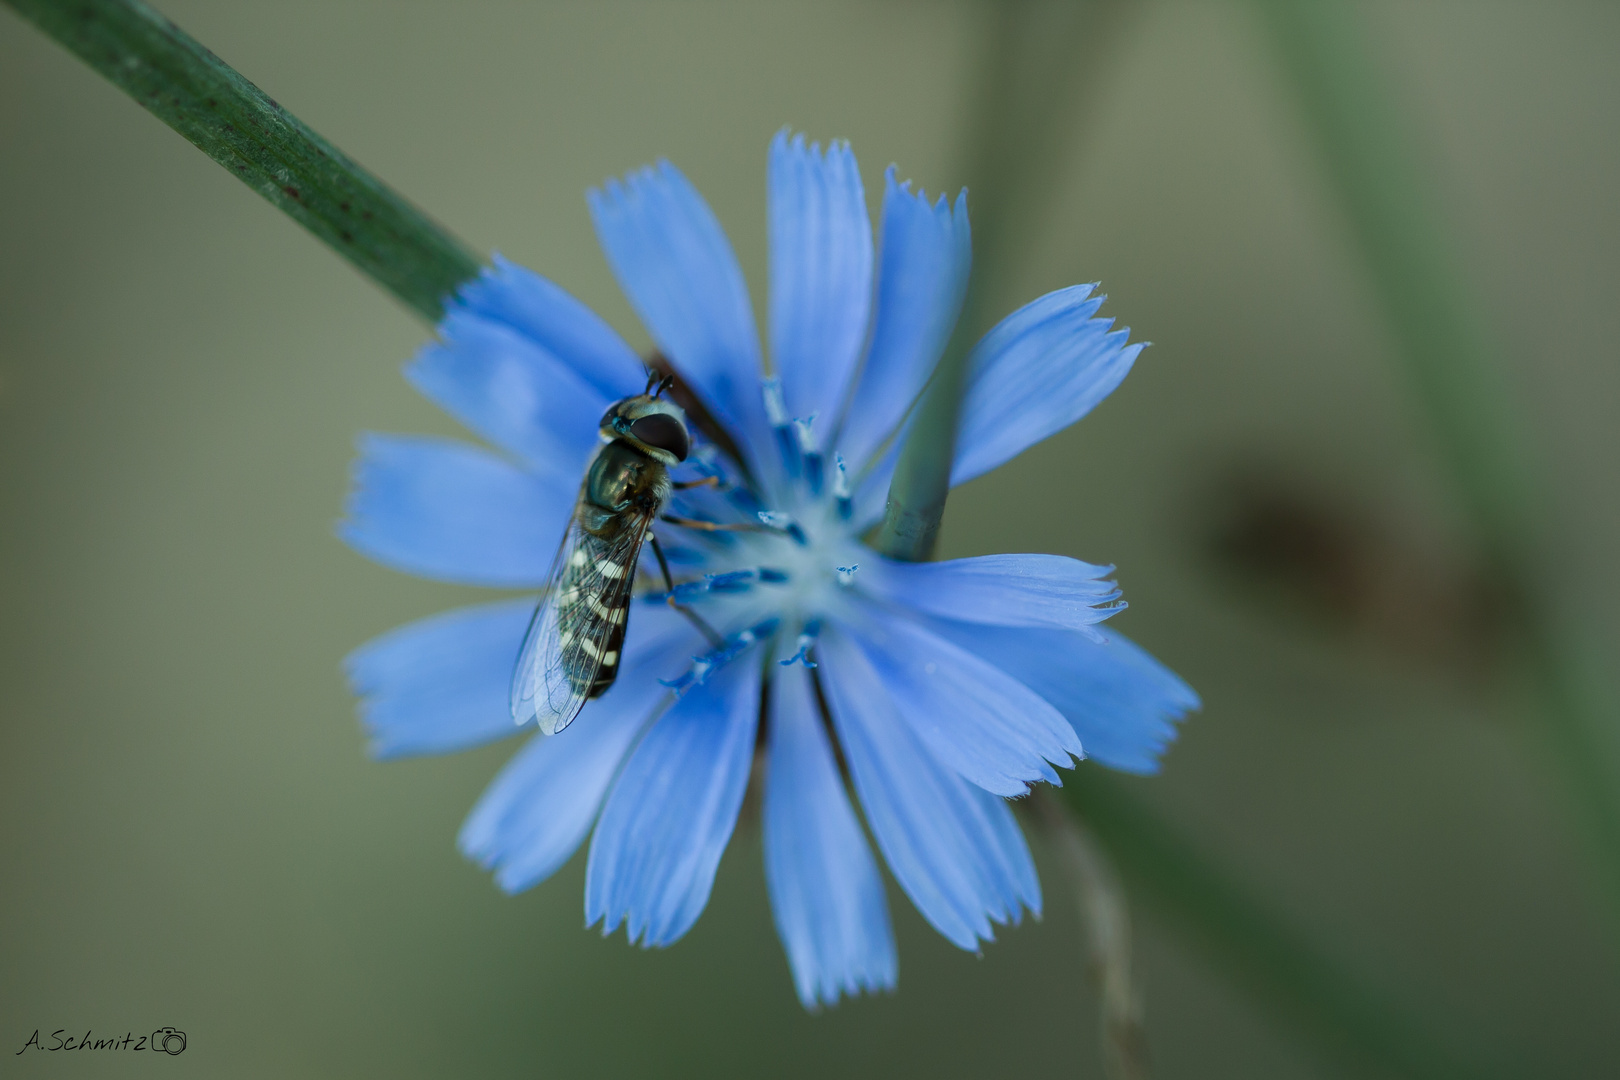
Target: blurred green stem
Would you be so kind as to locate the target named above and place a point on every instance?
(1039, 59)
(1351, 1022)
(1105, 914)
(1450, 357)
(261, 144)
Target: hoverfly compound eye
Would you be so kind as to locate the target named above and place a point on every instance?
(663, 432)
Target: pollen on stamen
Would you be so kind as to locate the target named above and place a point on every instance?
(805, 642)
(810, 452)
(776, 519)
(775, 405)
(708, 663)
(776, 413)
(732, 581)
(846, 506)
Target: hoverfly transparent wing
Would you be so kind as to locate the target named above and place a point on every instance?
(572, 650)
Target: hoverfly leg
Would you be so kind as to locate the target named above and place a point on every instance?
(714, 639)
(712, 526)
(688, 485)
(663, 564)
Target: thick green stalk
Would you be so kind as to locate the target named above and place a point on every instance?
(1038, 59)
(1350, 1024)
(922, 474)
(1452, 363)
(260, 143)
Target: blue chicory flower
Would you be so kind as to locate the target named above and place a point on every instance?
(936, 690)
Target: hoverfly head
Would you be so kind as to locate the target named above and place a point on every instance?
(652, 424)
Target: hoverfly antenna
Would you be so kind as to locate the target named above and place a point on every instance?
(663, 384)
(653, 379)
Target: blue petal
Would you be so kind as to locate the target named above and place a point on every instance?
(670, 815)
(558, 323)
(821, 272)
(1036, 372)
(540, 807)
(926, 253)
(675, 265)
(447, 510)
(439, 685)
(953, 847)
(975, 718)
(826, 894)
(1123, 703)
(513, 391)
(1003, 590)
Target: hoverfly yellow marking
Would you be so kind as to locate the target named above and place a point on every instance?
(578, 558)
(611, 569)
(609, 659)
(589, 646)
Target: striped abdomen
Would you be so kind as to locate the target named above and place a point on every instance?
(593, 607)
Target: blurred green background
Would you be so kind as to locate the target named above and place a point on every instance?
(191, 834)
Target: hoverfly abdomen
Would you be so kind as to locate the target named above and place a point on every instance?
(592, 615)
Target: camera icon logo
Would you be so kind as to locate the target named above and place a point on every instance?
(168, 1040)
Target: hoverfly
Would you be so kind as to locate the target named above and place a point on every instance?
(571, 651)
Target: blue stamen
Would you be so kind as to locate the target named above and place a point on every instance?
(807, 439)
(708, 663)
(807, 641)
(815, 470)
(810, 453)
(776, 413)
(846, 507)
(732, 581)
(776, 519)
(846, 574)
(775, 406)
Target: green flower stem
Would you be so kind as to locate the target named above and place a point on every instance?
(1037, 60)
(1349, 1022)
(260, 143)
(1454, 367)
